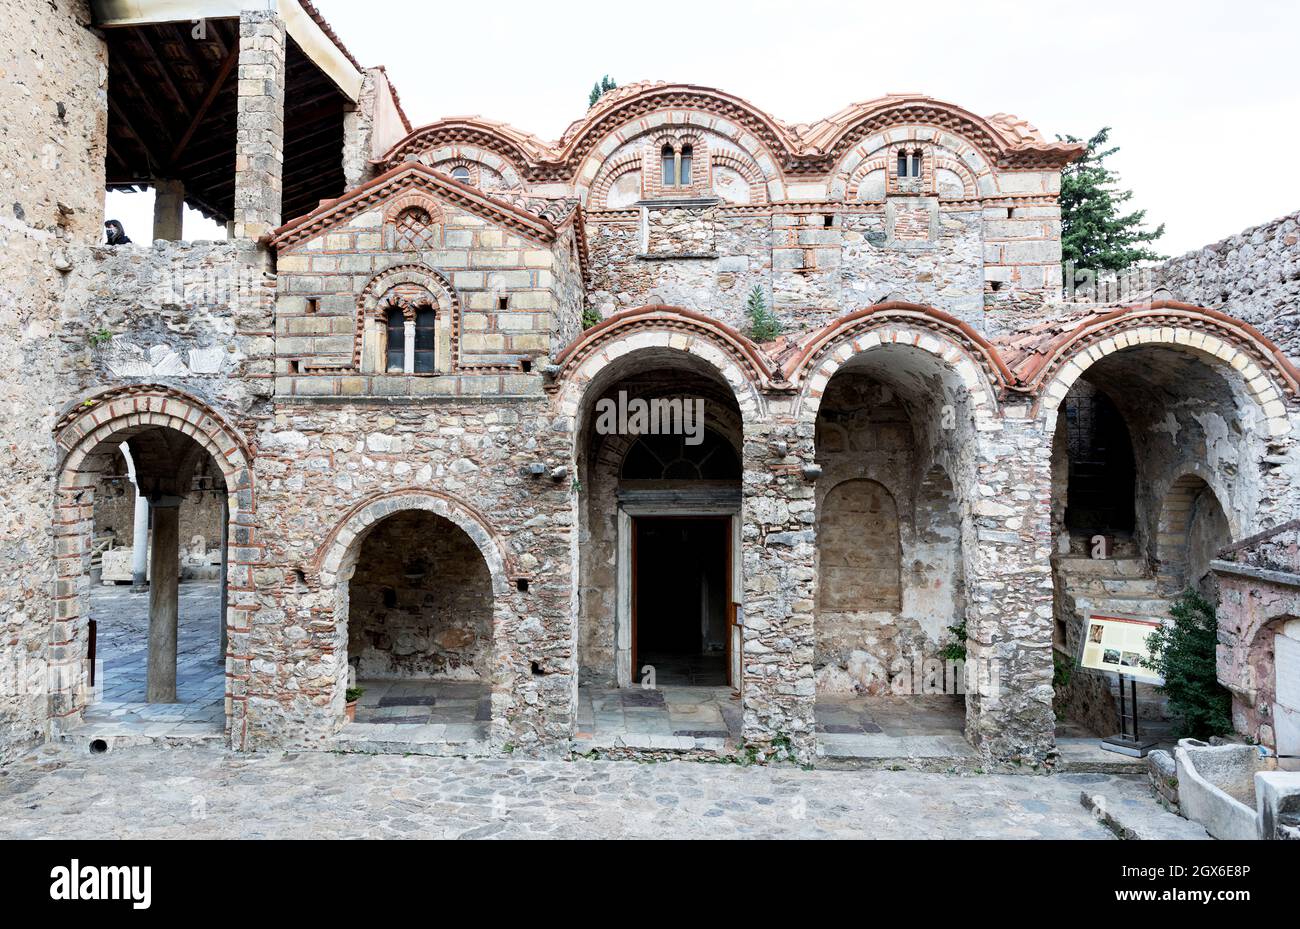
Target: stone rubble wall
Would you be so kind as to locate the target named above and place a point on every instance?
(1254, 276)
(52, 91)
(197, 316)
(420, 604)
(710, 260)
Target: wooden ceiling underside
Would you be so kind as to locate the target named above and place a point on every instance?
(172, 104)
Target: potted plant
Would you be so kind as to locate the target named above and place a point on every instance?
(354, 696)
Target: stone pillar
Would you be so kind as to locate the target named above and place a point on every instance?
(259, 149)
(358, 129)
(779, 551)
(169, 211)
(1007, 549)
(164, 593)
(140, 543)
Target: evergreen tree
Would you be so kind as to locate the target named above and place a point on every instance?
(1184, 654)
(599, 89)
(1096, 235)
(763, 324)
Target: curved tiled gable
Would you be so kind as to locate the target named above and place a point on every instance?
(1049, 371)
(924, 327)
(516, 147)
(403, 181)
(808, 151)
(829, 142)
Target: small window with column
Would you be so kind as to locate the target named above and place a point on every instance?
(909, 172)
(677, 164)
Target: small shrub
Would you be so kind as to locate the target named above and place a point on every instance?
(100, 338)
(763, 324)
(1183, 653)
(956, 649)
(355, 693)
(591, 317)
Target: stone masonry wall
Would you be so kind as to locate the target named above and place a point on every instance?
(52, 150)
(320, 461)
(194, 316)
(710, 259)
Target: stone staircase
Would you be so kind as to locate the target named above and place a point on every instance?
(1122, 585)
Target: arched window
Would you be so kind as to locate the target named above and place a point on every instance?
(688, 156)
(395, 358)
(462, 174)
(902, 163)
(916, 163)
(669, 171)
(426, 340)
(670, 458)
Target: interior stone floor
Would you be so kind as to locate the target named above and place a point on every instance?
(429, 713)
(118, 707)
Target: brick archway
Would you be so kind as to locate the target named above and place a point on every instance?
(1269, 377)
(85, 436)
(337, 557)
(954, 345)
(733, 357)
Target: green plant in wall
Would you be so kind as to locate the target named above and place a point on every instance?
(1062, 670)
(1183, 652)
(763, 324)
(956, 649)
(99, 338)
(591, 318)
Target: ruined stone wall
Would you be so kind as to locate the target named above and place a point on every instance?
(420, 603)
(320, 462)
(196, 316)
(1254, 276)
(52, 149)
(200, 515)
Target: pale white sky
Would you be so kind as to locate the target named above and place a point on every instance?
(1203, 96)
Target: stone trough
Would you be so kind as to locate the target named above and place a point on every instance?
(1234, 791)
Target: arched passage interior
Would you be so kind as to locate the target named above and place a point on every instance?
(1154, 446)
(659, 559)
(418, 599)
(155, 581)
(894, 427)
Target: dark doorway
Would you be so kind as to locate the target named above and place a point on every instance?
(1102, 495)
(681, 600)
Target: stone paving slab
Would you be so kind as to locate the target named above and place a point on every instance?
(1131, 819)
(196, 793)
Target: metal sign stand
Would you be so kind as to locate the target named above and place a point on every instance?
(1127, 743)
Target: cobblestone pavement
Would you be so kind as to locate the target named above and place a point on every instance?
(194, 793)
